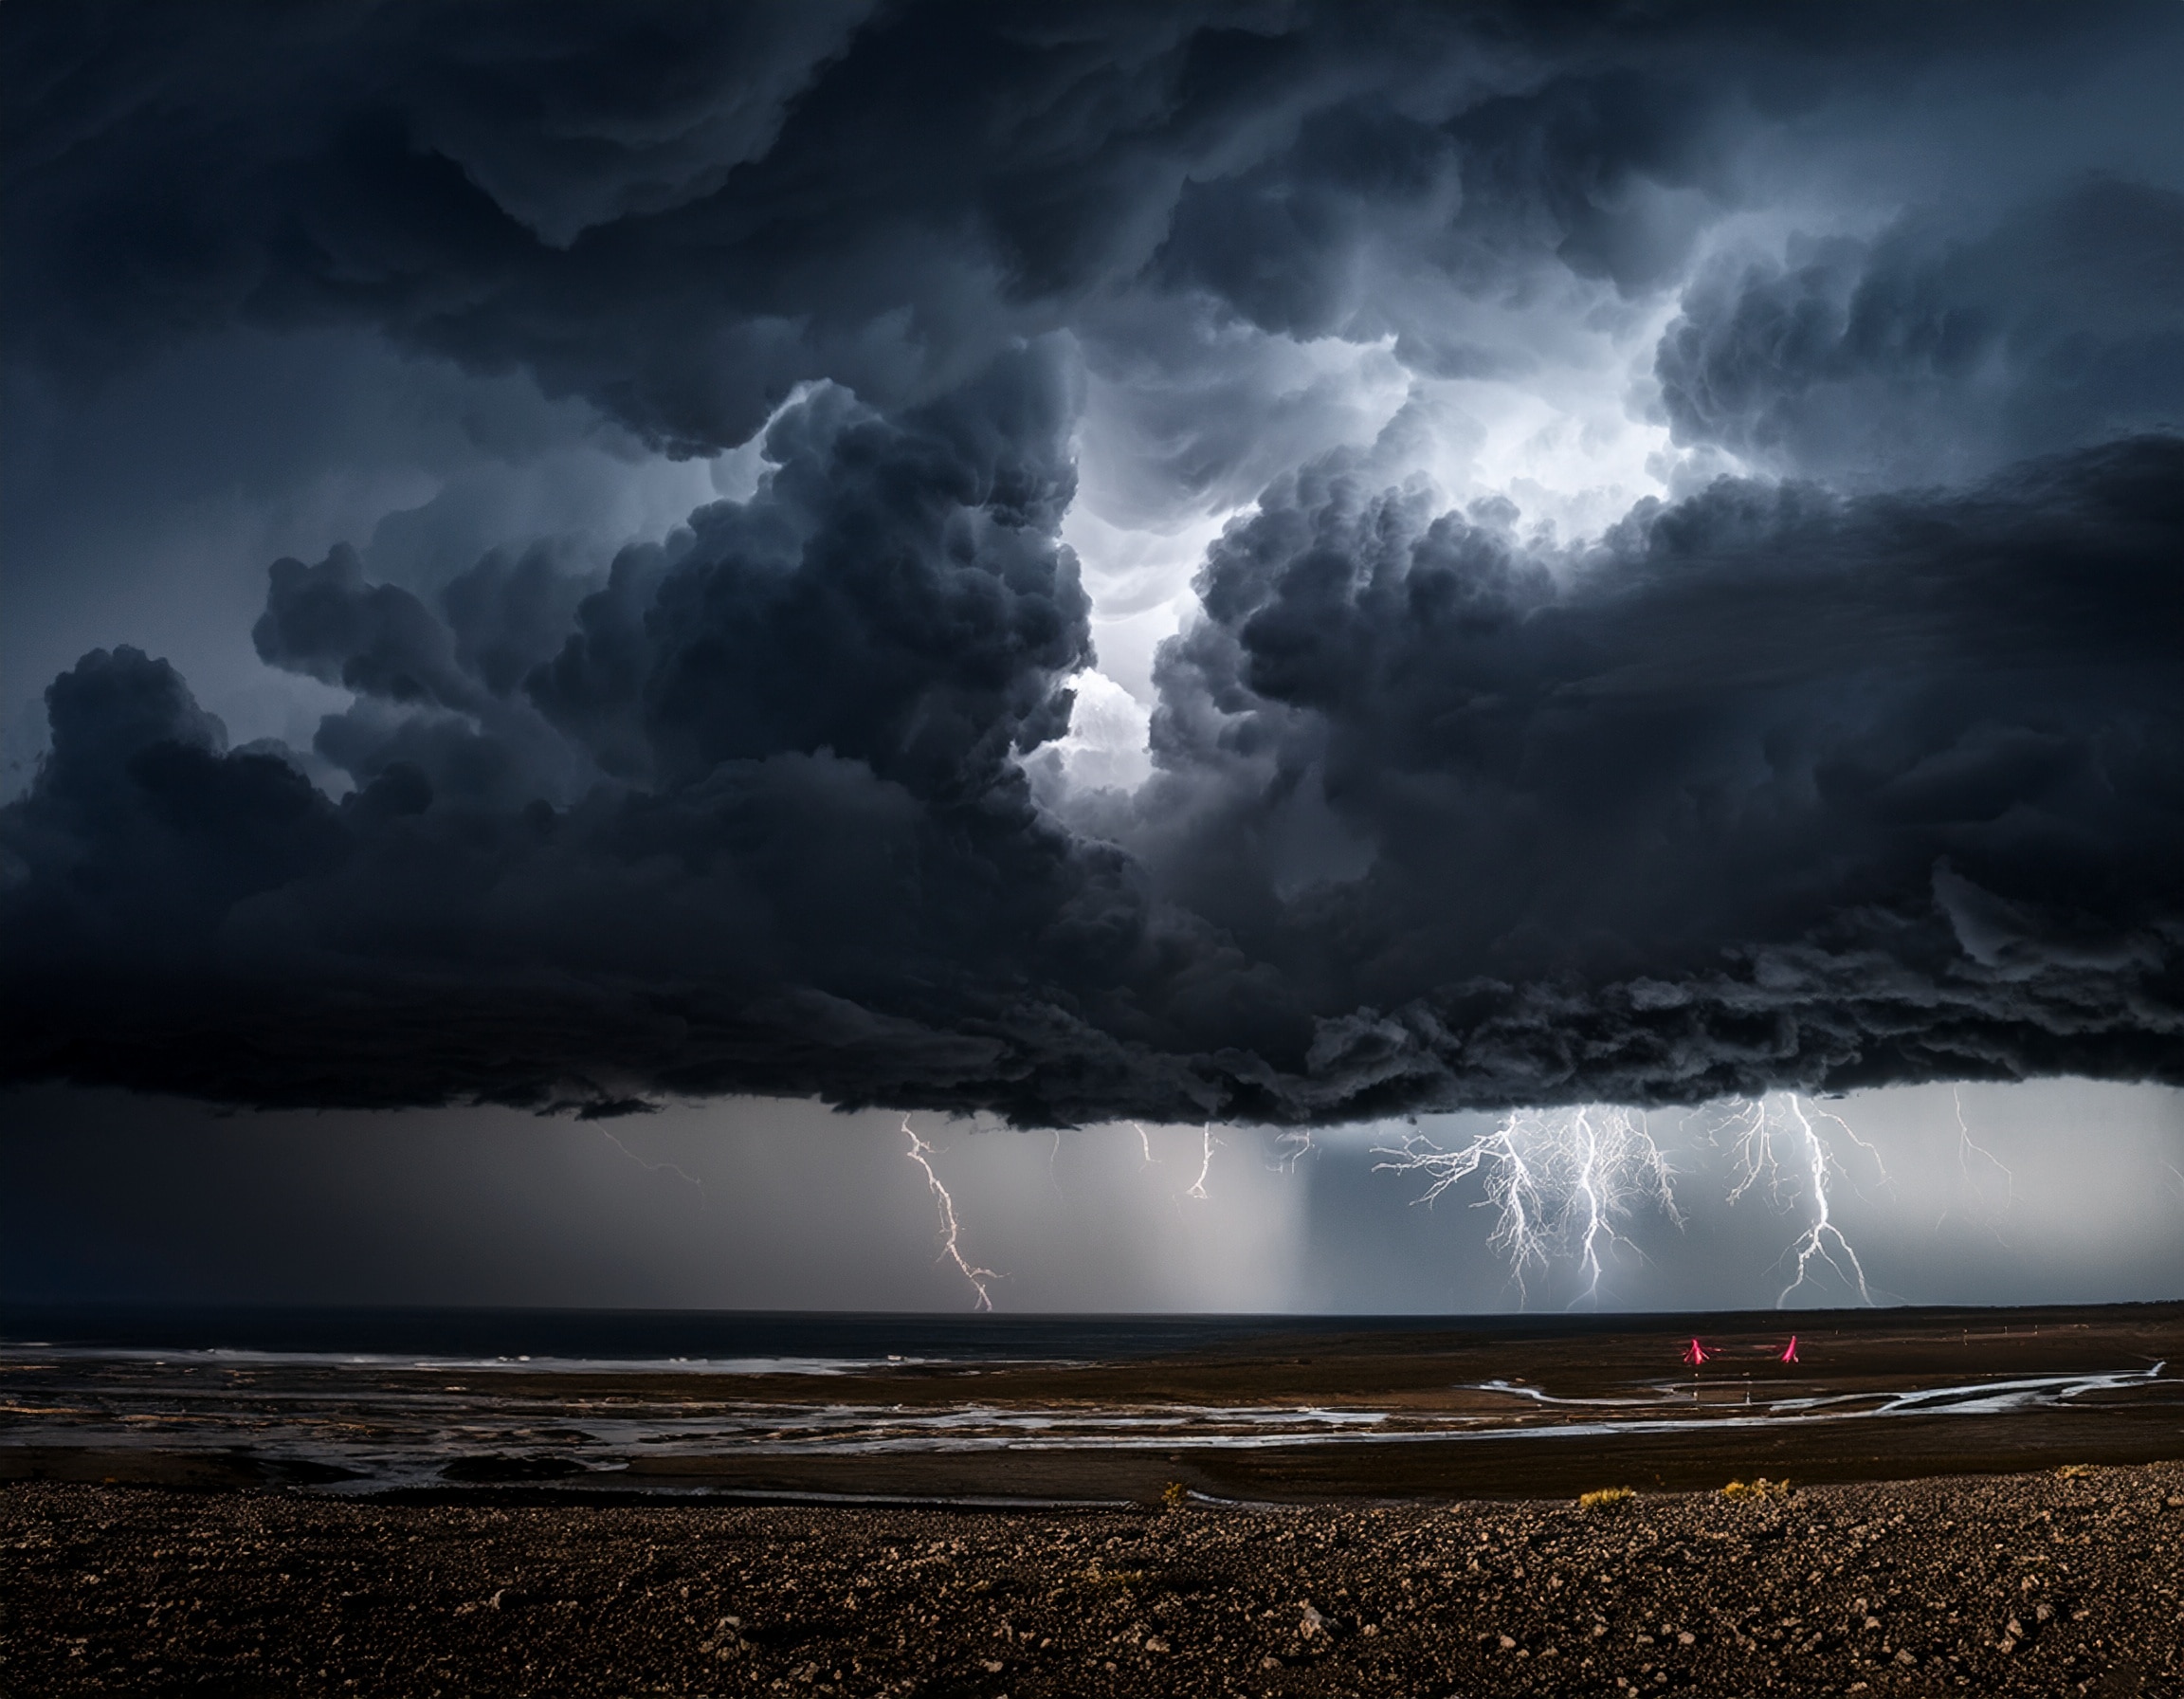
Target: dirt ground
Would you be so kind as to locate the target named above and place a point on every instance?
(2063, 1582)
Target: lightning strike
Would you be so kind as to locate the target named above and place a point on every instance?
(1197, 1188)
(920, 1152)
(1145, 1143)
(677, 1170)
(1968, 1147)
(1297, 1145)
(1558, 1179)
(1758, 1124)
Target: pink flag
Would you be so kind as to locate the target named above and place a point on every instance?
(1790, 1350)
(1696, 1353)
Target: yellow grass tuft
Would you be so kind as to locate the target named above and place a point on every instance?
(1175, 1496)
(1119, 1580)
(1759, 1487)
(2070, 1472)
(1606, 1498)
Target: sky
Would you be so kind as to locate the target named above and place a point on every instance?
(599, 603)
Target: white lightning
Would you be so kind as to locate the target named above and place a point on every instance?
(679, 1172)
(1197, 1188)
(1558, 1181)
(1145, 1143)
(1968, 1147)
(1757, 1123)
(1298, 1146)
(920, 1151)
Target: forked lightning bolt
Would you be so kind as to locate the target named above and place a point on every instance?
(679, 1172)
(1968, 1147)
(1559, 1179)
(1757, 1123)
(1197, 1188)
(920, 1152)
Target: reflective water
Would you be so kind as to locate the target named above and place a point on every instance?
(384, 1419)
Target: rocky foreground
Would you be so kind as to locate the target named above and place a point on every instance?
(2066, 1582)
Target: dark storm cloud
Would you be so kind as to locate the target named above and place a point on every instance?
(1777, 788)
(1932, 353)
(681, 211)
(819, 689)
(1774, 785)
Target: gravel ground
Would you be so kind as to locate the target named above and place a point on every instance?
(2059, 1583)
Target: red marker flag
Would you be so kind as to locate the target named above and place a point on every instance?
(1696, 1353)
(1790, 1350)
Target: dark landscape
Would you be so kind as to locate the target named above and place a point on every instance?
(1928, 1502)
(1261, 1412)
(2060, 1582)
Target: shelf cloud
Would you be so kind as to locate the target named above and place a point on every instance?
(1691, 604)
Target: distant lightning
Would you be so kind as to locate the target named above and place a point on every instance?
(1197, 1188)
(1758, 1124)
(1145, 1141)
(1558, 1179)
(1562, 1182)
(920, 1152)
(1968, 1147)
(1297, 1143)
(679, 1172)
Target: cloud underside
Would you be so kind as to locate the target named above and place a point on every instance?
(1770, 788)
(1869, 769)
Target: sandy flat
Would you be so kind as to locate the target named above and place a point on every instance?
(1440, 1413)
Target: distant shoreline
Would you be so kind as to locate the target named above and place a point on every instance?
(1296, 1416)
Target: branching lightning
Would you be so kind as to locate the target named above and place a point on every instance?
(1757, 1125)
(677, 1170)
(1197, 1188)
(1968, 1147)
(1558, 1181)
(919, 1153)
(1296, 1145)
(1564, 1183)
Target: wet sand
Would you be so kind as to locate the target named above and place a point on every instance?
(1441, 1412)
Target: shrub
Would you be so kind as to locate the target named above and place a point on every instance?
(1175, 1496)
(1606, 1498)
(1759, 1487)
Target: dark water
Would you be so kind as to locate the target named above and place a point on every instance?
(379, 1399)
(709, 1337)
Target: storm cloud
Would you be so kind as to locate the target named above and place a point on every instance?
(1848, 749)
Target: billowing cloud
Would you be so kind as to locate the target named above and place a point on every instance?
(684, 212)
(1848, 754)
(1770, 787)
(1927, 352)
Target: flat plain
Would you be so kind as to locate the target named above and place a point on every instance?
(1971, 1502)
